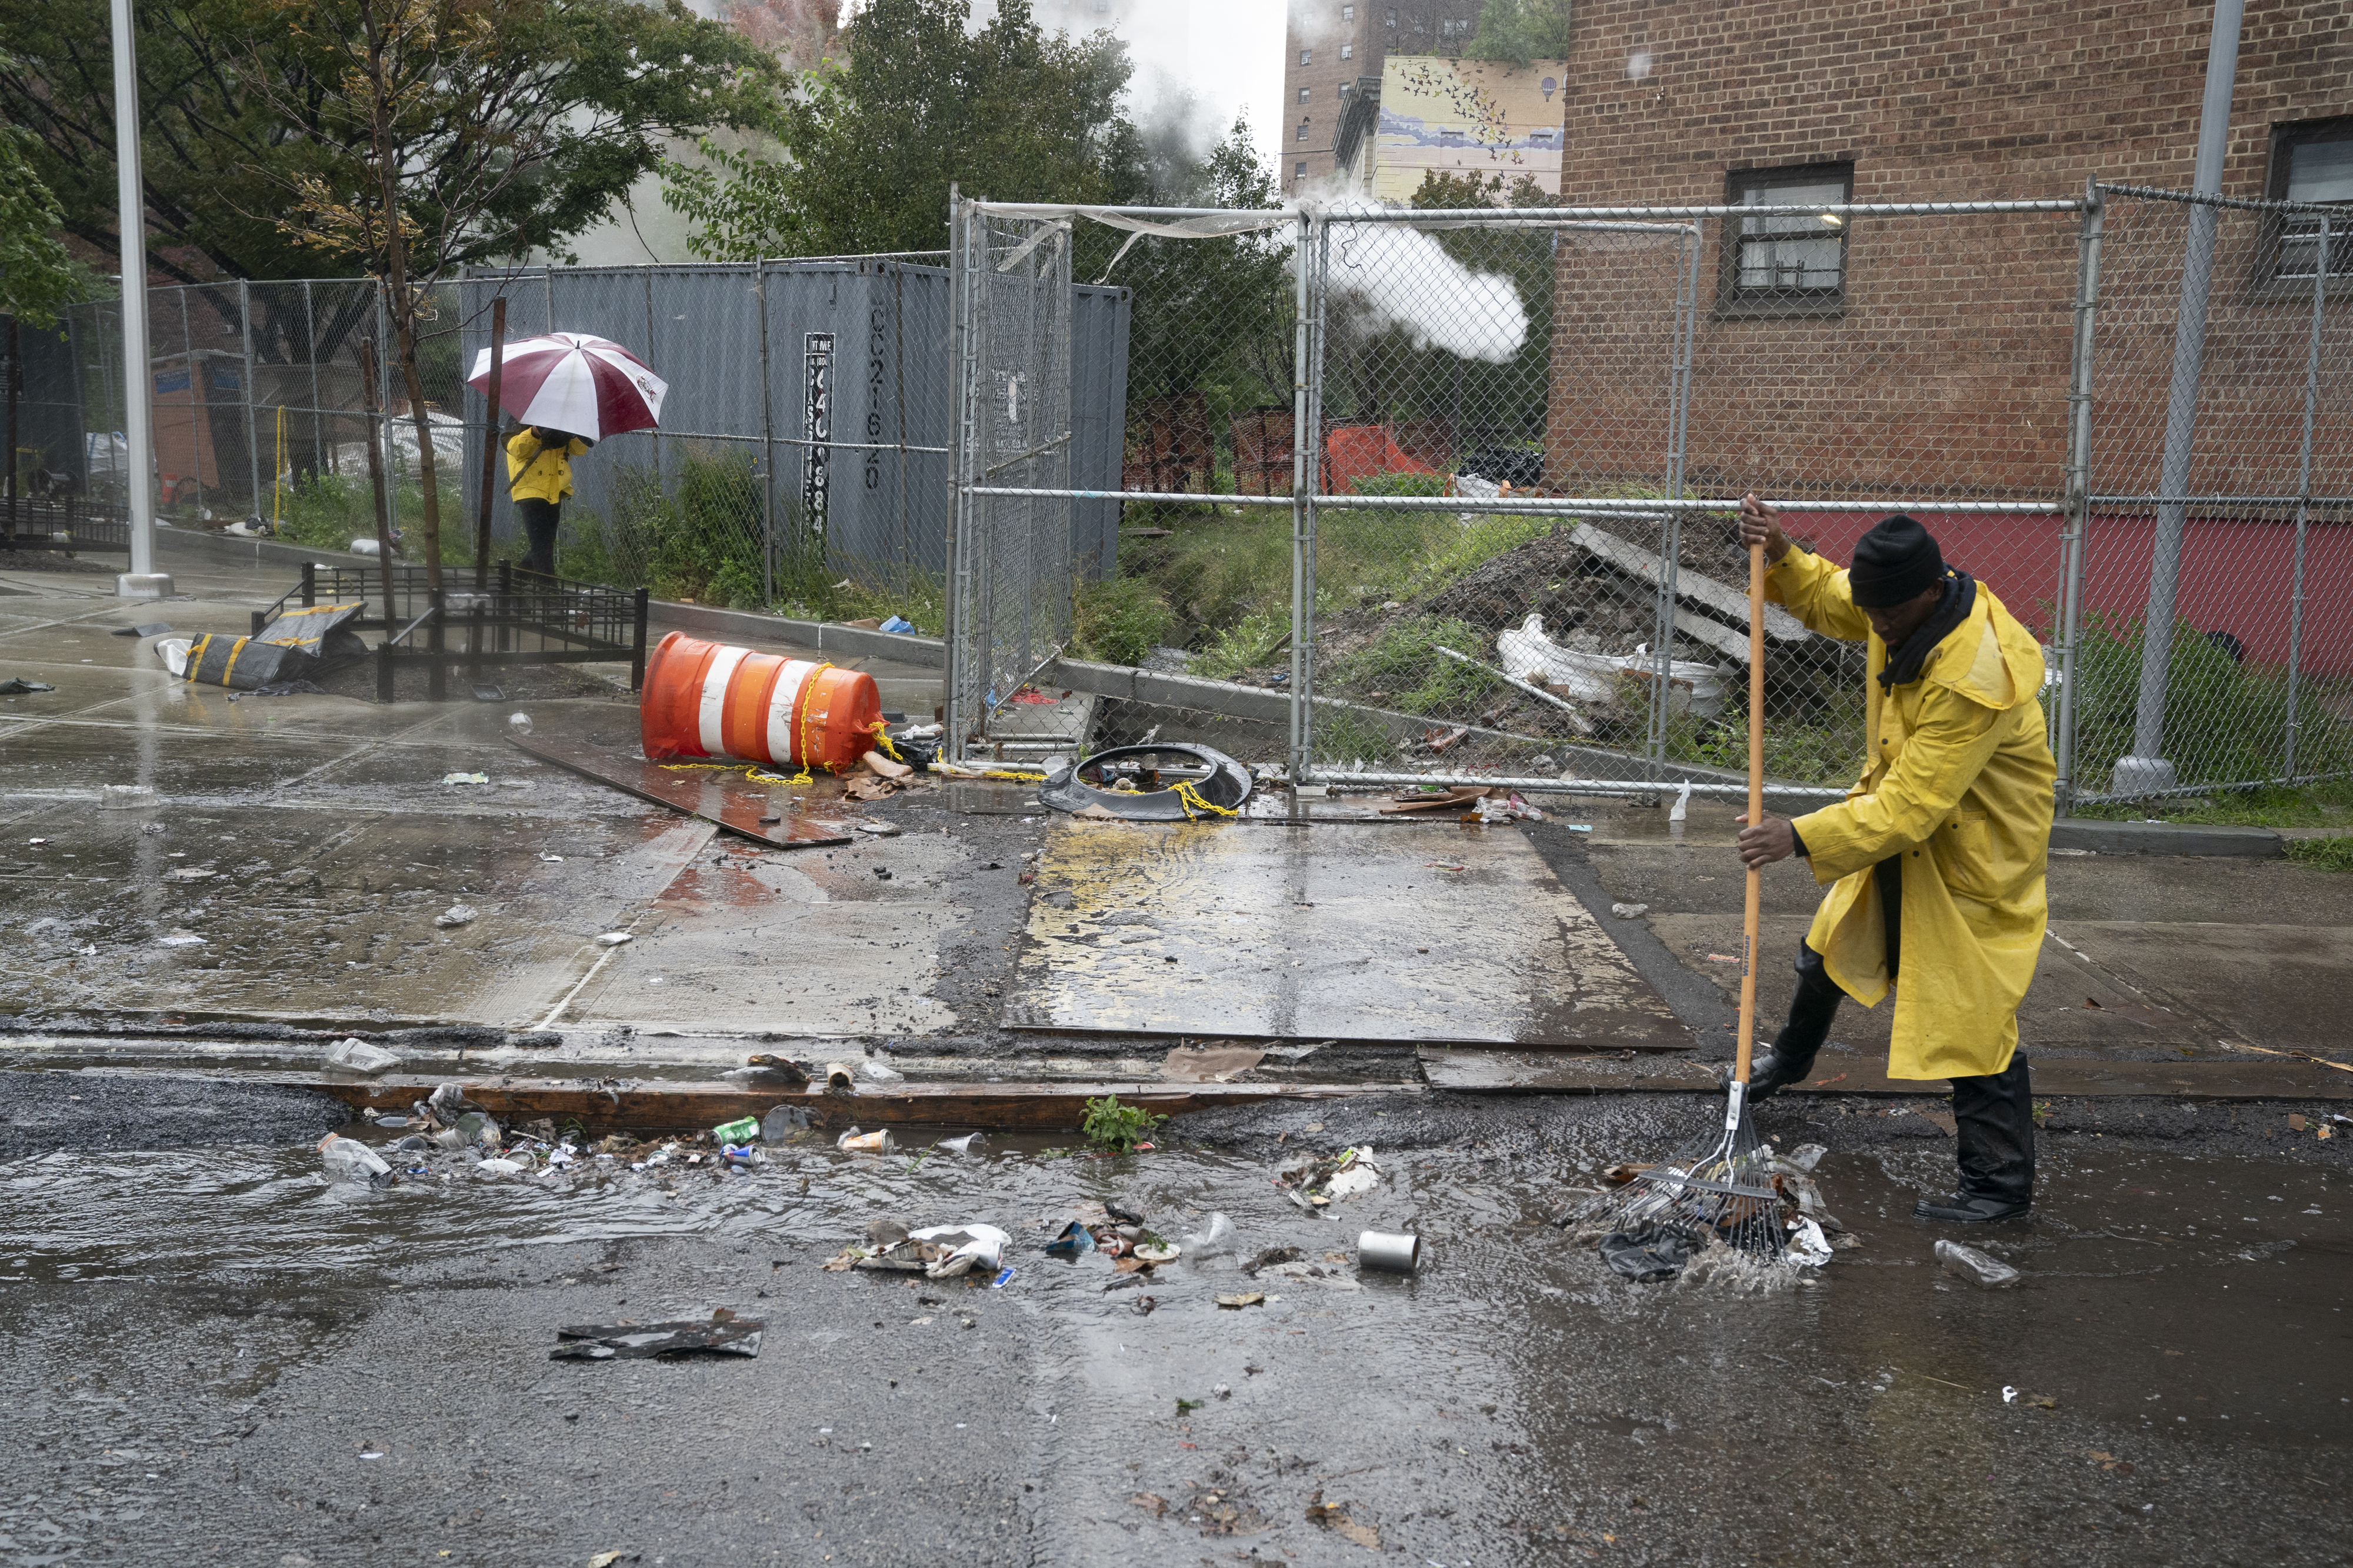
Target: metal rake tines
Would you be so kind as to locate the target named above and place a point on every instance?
(1723, 1192)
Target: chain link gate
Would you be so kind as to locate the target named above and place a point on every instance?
(1009, 565)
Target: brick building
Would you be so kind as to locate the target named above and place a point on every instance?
(1926, 359)
(1333, 53)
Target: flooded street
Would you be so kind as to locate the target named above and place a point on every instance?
(214, 1356)
(218, 1356)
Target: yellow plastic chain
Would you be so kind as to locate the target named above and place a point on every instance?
(749, 770)
(1191, 794)
(808, 689)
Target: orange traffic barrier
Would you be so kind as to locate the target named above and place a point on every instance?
(708, 700)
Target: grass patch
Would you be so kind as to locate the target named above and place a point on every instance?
(1120, 620)
(327, 511)
(2325, 854)
(2324, 803)
(1402, 669)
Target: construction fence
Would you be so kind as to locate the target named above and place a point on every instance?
(801, 465)
(1449, 496)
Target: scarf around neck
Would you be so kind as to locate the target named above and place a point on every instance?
(1904, 662)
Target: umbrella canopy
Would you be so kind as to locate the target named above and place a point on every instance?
(569, 380)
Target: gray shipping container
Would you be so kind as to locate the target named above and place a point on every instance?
(778, 360)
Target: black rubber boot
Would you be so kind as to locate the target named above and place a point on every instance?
(1994, 1120)
(1792, 1055)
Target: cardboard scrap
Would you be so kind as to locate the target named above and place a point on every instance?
(1210, 1064)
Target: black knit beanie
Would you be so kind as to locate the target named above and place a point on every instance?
(1897, 560)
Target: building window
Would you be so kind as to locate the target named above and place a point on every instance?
(1347, 13)
(1786, 263)
(1307, 56)
(2313, 162)
(1303, 95)
(1392, 18)
(1302, 130)
(1450, 29)
(1348, 51)
(1300, 170)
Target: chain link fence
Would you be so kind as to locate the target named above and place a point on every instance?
(2221, 504)
(1516, 438)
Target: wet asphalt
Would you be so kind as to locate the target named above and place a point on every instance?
(214, 1356)
(218, 1357)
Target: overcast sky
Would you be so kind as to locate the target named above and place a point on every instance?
(1228, 54)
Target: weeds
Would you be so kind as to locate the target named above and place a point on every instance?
(2325, 854)
(1120, 620)
(1402, 669)
(2224, 719)
(1116, 1127)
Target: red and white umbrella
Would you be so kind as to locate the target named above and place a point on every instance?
(570, 381)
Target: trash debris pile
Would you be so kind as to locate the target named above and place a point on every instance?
(937, 1252)
(1316, 1181)
(1664, 1245)
(446, 1135)
(1476, 803)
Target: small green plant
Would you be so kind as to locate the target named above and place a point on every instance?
(1116, 1127)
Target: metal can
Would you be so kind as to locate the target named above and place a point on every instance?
(1390, 1252)
(742, 1131)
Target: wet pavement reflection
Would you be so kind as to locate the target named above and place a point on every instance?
(2174, 1352)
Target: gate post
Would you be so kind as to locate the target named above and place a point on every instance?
(2078, 489)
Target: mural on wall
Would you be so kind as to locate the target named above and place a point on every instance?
(1484, 117)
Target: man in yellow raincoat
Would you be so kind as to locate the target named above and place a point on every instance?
(1936, 858)
(539, 476)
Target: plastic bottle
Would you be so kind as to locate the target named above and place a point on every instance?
(348, 1159)
(1968, 1263)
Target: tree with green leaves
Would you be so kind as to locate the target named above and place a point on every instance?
(38, 277)
(240, 99)
(433, 131)
(912, 100)
(1521, 32)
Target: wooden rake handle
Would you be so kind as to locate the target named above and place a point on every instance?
(1752, 901)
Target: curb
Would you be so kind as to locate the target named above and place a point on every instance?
(2163, 838)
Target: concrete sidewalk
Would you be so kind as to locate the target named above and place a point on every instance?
(308, 844)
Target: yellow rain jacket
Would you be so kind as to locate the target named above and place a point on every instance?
(1960, 783)
(538, 472)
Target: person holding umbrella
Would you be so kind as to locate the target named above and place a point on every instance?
(539, 476)
(568, 391)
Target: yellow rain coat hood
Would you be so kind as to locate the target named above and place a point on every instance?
(1959, 784)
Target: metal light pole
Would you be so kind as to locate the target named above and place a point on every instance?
(2146, 768)
(142, 581)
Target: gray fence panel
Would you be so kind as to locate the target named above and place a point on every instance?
(1099, 322)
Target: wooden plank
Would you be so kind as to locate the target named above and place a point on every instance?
(1636, 561)
(1528, 1072)
(641, 1106)
(728, 800)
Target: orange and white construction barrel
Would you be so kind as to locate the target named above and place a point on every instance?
(710, 699)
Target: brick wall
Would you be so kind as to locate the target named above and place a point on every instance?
(1946, 374)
